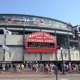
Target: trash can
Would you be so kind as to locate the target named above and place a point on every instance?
(56, 70)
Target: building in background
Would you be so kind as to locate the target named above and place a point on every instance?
(21, 26)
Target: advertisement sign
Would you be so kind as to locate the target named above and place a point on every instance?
(40, 42)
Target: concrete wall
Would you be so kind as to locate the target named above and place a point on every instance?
(14, 40)
(16, 54)
(15, 51)
(2, 39)
(31, 56)
(1, 54)
(65, 53)
(48, 57)
(75, 55)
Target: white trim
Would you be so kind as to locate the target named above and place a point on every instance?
(48, 30)
(28, 29)
(15, 28)
(61, 32)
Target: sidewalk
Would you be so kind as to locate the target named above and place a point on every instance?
(31, 73)
(22, 73)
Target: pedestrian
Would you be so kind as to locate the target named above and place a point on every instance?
(3, 68)
(22, 67)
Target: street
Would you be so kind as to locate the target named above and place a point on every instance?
(40, 77)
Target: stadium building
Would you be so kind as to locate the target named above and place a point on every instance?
(36, 38)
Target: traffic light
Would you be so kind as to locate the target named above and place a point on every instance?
(76, 33)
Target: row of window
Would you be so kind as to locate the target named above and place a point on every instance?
(72, 55)
(51, 55)
(35, 19)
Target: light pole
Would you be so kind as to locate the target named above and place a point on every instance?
(62, 61)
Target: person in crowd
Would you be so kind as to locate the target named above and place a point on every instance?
(74, 67)
(36, 67)
(3, 68)
(67, 68)
(22, 67)
(14, 66)
(70, 67)
(79, 66)
(51, 68)
(30, 67)
(47, 69)
(6, 67)
(18, 67)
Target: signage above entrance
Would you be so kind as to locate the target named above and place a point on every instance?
(40, 42)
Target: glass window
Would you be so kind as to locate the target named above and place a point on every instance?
(65, 54)
(18, 55)
(37, 19)
(28, 54)
(28, 18)
(62, 40)
(76, 55)
(53, 22)
(60, 56)
(9, 55)
(46, 20)
(8, 16)
(72, 55)
(18, 17)
(0, 54)
(1, 16)
(35, 55)
(51, 55)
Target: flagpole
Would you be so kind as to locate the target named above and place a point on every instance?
(23, 41)
(4, 44)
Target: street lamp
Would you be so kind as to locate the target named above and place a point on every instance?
(62, 61)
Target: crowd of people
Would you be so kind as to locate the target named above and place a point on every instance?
(44, 67)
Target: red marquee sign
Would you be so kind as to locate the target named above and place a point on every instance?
(40, 42)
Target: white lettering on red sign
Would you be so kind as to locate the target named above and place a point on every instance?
(35, 35)
(35, 40)
(49, 36)
(49, 41)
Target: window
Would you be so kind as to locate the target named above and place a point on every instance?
(28, 18)
(35, 55)
(76, 55)
(0, 54)
(72, 55)
(8, 16)
(28, 54)
(1, 16)
(18, 55)
(18, 17)
(46, 20)
(60, 56)
(9, 55)
(37, 19)
(53, 22)
(51, 55)
(65, 54)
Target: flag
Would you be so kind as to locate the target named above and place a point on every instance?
(7, 32)
(9, 19)
(62, 44)
(5, 47)
(41, 21)
(68, 27)
(24, 47)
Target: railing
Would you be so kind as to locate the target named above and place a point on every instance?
(34, 23)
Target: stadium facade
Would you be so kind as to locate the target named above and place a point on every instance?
(28, 30)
